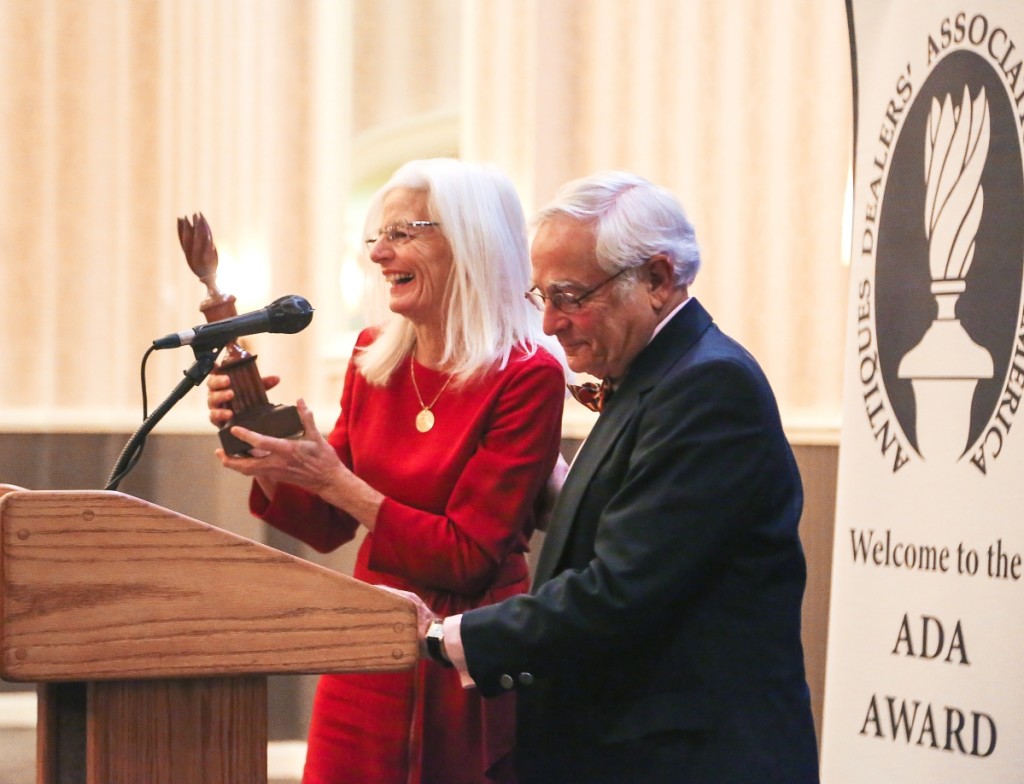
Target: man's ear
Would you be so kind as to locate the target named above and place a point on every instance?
(659, 278)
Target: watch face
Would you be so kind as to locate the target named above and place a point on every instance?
(435, 639)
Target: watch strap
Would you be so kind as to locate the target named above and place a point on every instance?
(435, 643)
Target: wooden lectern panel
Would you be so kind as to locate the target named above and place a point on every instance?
(204, 730)
(211, 728)
(103, 586)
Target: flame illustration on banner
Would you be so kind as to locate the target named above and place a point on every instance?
(945, 367)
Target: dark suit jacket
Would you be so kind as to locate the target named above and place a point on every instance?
(661, 640)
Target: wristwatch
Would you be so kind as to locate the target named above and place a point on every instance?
(435, 642)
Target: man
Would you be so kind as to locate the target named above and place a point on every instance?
(661, 639)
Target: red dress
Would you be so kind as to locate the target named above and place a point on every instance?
(454, 527)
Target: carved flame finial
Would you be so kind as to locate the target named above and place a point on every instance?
(200, 252)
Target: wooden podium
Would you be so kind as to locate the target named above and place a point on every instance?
(151, 635)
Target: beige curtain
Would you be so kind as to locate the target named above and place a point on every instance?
(741, 107)
(276, 117)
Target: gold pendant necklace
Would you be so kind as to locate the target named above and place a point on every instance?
(425, 418)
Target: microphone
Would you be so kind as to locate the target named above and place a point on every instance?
(287, 314)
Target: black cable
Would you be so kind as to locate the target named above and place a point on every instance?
(129, 461)
(142, 373)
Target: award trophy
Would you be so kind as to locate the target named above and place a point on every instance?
(250, 407)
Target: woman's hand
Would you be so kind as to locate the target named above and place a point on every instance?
(219, 395)
(550, 493)
(424, 615)
(307, 461)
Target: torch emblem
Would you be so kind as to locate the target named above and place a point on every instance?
(944, 368)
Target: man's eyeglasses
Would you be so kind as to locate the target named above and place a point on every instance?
(567, 301)
(400, 233)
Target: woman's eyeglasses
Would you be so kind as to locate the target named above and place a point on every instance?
(400, 233)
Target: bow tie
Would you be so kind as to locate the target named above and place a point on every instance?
(592, 395)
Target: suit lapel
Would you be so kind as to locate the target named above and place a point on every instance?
(591, 453)
(674, 340)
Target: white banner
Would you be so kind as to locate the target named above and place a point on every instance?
(925, 674)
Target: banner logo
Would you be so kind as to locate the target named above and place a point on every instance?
(940, 333)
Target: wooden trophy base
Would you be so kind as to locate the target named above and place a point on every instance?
(277, 421)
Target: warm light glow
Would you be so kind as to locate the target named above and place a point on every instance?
(355, 265)
(350, 283)
(246, 274)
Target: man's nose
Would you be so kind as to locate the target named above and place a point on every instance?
(554, 320)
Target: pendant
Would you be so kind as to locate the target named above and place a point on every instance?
(424, 420)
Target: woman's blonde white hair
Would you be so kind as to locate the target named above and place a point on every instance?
(481, 217)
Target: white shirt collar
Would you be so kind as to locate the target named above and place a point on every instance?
(667, 318)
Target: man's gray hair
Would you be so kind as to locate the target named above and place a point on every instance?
(632, 218)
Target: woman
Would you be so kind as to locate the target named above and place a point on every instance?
(449, 428)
